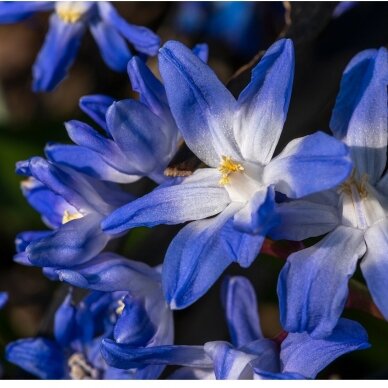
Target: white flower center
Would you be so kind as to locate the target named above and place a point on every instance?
(361, 207)
(71, 11)
(240, 181)
(80, 369)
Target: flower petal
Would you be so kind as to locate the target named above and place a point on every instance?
(258, 215)
(95, 106)
(315, 303)
(65, 322)
(72, 244)
(200, 103)
(263, 104)
(112, 45)
(125, 356)
(142, 38)
(187, 373)
(309, 164)
(196, 258)
(12, 12)
(86, 161)
(38, 356)
(360, 113)
(198, 196)
(374, 266)
(229, 363)
(303, 219)
(109, 272)
(145, 138)
(57, 54)
(240, 304)
(301, 354)
(201, 50)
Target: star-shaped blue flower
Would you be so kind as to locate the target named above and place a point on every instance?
(237, 139)
(313, 285)
(67, 25)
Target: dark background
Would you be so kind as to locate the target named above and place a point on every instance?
(323, 47)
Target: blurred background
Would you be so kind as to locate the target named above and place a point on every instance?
(325, 38)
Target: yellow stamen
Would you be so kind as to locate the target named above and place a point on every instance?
(227, 167)
(70, 12)
(67, 216)
(120, 307)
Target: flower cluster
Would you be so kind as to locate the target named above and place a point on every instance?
(242, 193)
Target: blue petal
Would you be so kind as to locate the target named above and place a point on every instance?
(301, 354)
(201, 50)
(142, 38)
(23, 239)
(150, 89)
(50, 205)
(258, 215)
(57, 54)
(196, 258)
(203, 108)
(315, 303)
(263, 104)
(65, 322)
(12, 12)
(72, 244)
(142, 136)
(3, 299)
(84, 135)
(85, 327)
(304, 219)
(38, 356)
(360, 113)
(125, 356)
(112, 45)
(133, 327)
(374, 266)
(110, 272)
(229, 363)
(240, 304)
(309, 164)
(95, 106)
(86, 161)
(198, 196)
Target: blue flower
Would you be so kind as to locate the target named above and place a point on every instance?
(145, 321)
(67, 25)
(72, 205)
(237, 140)
(250, 355)
(140, 138)
(354, 213)
(3, 299)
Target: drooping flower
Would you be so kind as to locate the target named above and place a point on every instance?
(67, 25)
(140, 137)
(237, 140)
(70, 203)
(250, 355)
(355, 213)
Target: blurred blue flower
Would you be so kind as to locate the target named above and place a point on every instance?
(354, 213)
(250, 355)
(145, 321)
(70, 203)
(3, 299)
(140, 137)
(74, 352)
(237, 140)
(67, 25)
